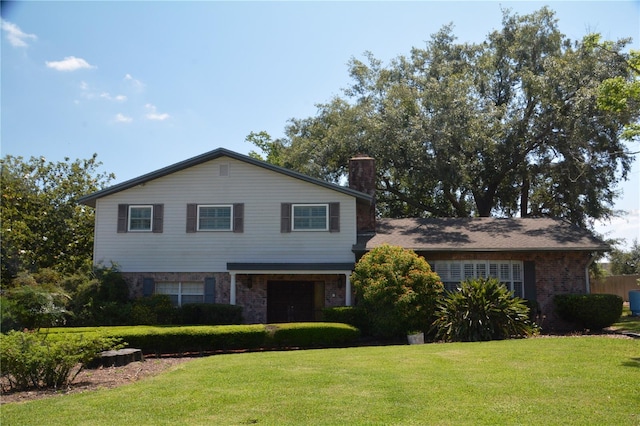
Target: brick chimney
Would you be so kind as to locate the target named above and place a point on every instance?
(362, 177)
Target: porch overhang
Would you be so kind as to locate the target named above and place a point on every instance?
(290, 269)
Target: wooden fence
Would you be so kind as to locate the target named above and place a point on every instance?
(616, 284)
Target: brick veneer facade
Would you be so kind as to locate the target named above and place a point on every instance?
(251, 290)
(555, 273)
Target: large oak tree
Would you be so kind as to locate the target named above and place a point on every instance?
(511, 126)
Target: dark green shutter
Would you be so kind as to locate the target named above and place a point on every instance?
(530, 281)
(285, 217)
(334, 217)
(148, 286)
(123, 212)
(192, 217)
(158, 218)
(238, 218)
(209, 290)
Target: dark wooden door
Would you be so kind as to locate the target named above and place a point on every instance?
(290, 301)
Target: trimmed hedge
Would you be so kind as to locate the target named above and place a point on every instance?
(209, 314)
(312, 334)
(351, 315)
(183, 339)
(589, 311)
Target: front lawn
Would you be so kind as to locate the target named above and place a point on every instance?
(566, 380)
(627, 322)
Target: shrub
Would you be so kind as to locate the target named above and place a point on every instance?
(210, 314)
(153, 310)
(351, 315)
(311, 335)
(99, 297)
(483, 309)
(30, 360)
(589, 311)
(397, 290)
(33, 306)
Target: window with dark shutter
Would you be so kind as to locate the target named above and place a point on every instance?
(334, 217)
(209, 290)
(148, 285)
(285, 217)
(192, 217)
(158, 218)
(123, 210)
(530, 292)
(238, 218)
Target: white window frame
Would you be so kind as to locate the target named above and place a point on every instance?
(229, 206)
(508, 272)
(181, 290)
(326, 218)
(130, 217)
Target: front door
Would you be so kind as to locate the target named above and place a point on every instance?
(290, 301)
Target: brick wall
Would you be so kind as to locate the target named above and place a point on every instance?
(251, 290)
(555, 273)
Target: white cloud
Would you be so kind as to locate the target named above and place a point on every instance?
(117, 98)
(152, 114)
(70, 63)
(15, 36)
(121, 118)
(137, 84)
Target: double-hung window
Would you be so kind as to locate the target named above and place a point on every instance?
(310, 217)
(182, 293)
(508, 272)
(215, 217)
(140, 218)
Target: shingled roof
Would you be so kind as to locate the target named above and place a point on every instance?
(484, 234)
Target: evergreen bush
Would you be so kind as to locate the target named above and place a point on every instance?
(397, 290)
(589, 311)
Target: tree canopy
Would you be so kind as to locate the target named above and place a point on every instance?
(43, 226)
(515, 125)
(626, 262)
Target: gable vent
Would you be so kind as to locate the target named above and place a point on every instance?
(223, 170)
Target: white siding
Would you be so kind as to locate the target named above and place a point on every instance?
(261, 190)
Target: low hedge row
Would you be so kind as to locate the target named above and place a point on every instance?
(183, 339)
(589, 311)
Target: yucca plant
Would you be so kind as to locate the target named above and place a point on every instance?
(483, 309)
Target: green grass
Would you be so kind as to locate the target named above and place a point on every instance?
(627, 322)
(571, 380)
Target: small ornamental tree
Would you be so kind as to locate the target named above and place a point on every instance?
(397, 290)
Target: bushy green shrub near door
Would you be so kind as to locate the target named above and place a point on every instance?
(397, 290)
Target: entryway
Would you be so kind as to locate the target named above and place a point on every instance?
(293, 301)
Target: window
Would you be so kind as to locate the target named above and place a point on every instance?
(310, 217)
(215, 218)
(182, 293)
(508, 272)
(140, 218)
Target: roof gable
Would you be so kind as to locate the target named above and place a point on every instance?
(484, 234)
(90, 199)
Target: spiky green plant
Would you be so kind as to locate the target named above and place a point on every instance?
(483, 309)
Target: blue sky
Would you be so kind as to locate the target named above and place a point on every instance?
(147, 84)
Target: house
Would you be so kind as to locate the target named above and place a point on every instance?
(536, 258)
(226, 228)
